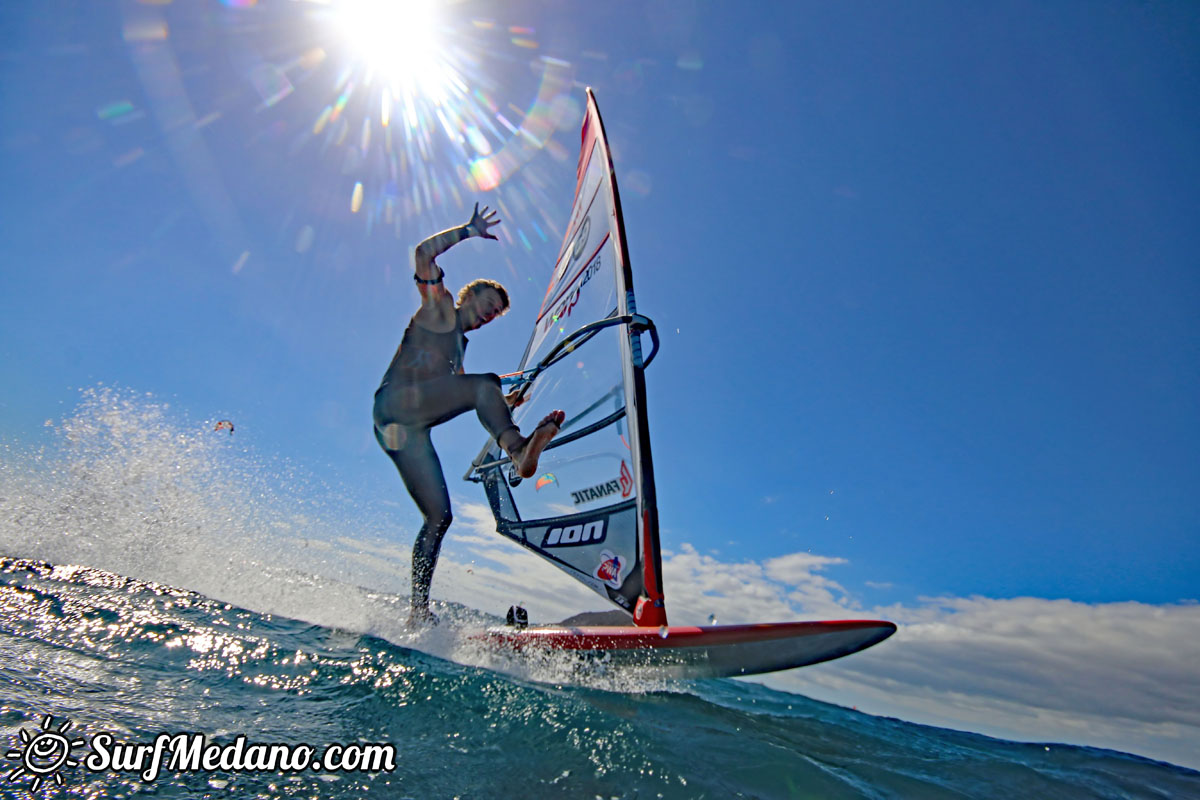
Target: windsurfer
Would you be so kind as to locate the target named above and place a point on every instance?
(425, 386)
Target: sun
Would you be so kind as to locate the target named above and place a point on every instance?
(45, 753)
(399, 41)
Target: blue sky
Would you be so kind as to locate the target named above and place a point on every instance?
(925, 274)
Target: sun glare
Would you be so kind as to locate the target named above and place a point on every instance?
(397, 40)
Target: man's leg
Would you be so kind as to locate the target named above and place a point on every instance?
(421, 471)
(403, 416)
(439, 400)
(435, 401)
(495, 416)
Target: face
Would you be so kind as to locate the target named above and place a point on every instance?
(482, 307)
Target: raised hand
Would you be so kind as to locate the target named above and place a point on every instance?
(481, 222)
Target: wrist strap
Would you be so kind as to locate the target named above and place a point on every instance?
(432, 281)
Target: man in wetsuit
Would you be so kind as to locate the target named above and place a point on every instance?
(425, 386)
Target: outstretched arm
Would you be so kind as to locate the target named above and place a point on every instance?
(437, 304)
(439, 243)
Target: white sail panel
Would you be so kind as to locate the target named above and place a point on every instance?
(586, 509)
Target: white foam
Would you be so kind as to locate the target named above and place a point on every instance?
(125, 485)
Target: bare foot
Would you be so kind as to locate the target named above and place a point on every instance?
(525, 456)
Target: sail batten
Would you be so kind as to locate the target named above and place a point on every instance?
(590, 509)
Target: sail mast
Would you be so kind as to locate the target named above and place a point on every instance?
(651, 608)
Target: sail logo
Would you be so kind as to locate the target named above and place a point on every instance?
(576, 253)
(623, 484)
(575, 535)
(581, 240)
(601, 491)
(610, 569)
(568, 304)
(581, 221)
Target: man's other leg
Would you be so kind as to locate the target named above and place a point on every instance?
(421, 470)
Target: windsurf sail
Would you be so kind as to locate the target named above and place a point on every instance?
(590, 509)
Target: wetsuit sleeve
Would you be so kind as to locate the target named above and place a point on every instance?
(434, 246)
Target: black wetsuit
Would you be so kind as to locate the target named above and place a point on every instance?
(424, 387)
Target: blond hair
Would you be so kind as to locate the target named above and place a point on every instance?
(478, 285)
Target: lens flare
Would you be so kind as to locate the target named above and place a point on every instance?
(399, 40)
(402, 111)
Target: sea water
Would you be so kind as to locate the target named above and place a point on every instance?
(145, 595)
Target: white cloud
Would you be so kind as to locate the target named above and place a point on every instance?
(1118, 675)
(797, 567)
(778, 589)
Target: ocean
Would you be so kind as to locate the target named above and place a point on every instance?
(151, 590)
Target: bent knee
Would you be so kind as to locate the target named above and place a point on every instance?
(487, 385)
(391, 437)
(440, 522)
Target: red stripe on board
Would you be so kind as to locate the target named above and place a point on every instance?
(632, 638)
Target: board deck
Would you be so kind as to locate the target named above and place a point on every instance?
(715, 651)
